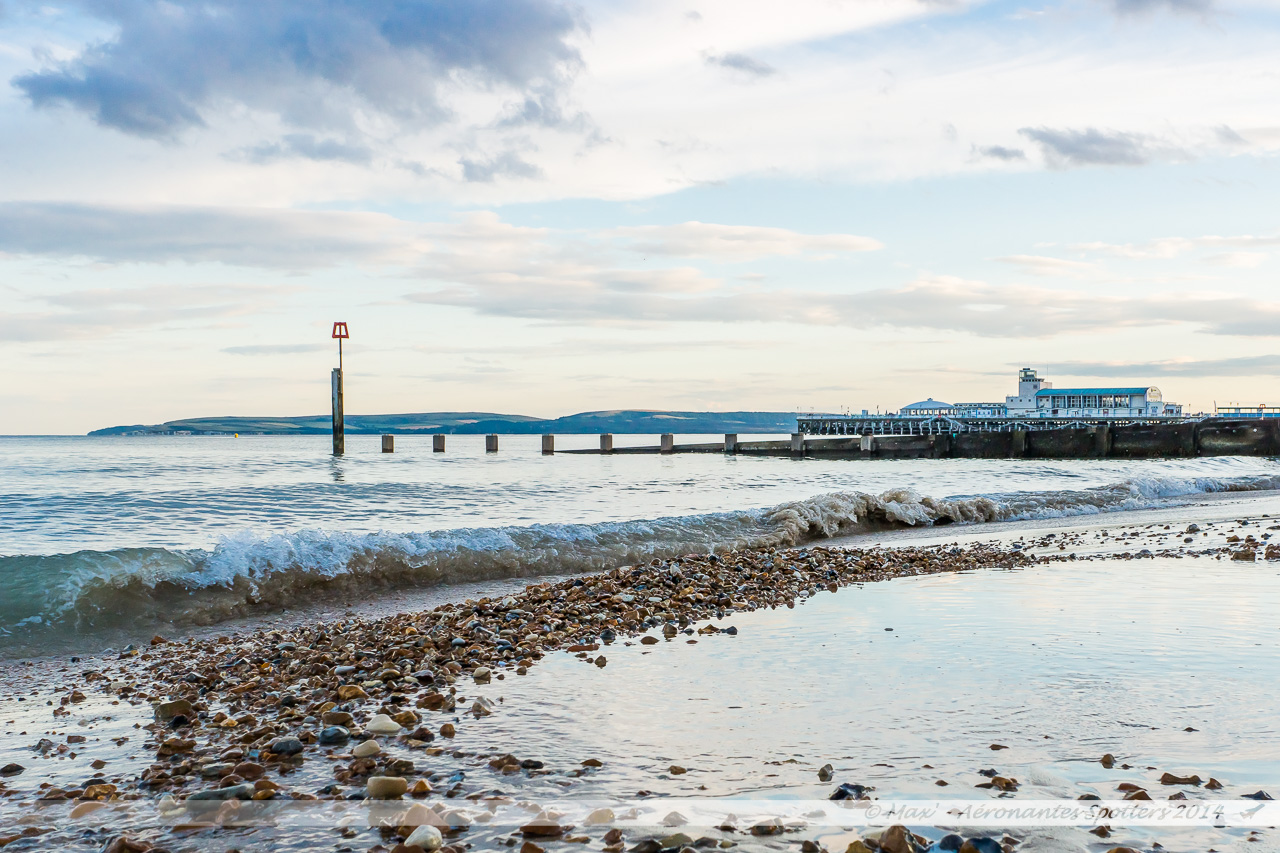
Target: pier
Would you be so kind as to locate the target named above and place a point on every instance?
(1171, 438)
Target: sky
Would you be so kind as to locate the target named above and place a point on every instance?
(541, 207)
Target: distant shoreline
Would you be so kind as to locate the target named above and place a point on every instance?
(621, 421)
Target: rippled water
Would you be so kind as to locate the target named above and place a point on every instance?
(125, 536)
(59, 495)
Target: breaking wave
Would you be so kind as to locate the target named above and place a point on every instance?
(68, 595)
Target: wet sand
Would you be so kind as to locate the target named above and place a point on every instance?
(433, 690)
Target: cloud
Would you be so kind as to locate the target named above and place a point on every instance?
(312, 63)
(1238, 260)
(1042, 265)
(505, 165)
(308, 147)
(275, 349)
(740, 62)
(260, 237)
(1065, 148)
(1172, 247)
(999, 152)
(736, 242)
(939, 303)
(1140, 7)
(96, 313)
(1257, 365)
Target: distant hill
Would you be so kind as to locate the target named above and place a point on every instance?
(473, 423)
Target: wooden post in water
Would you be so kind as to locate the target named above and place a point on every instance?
(797, 444)
(668, 443)
(866, 444)
(437, 443)
(388, 444)
(490, 444)
(339, 432)
(730, 442)
(548, 445)
(606, 443)
(339, 426)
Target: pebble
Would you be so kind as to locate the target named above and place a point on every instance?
(426, 837)
(285, 746)
(233, 792)
(368, 749)
(334, 735)
(381, 724)
(386, 787)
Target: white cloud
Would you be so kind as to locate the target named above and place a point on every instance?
(736, 242)
(1047, 266)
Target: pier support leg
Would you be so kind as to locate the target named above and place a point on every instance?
(797, 444)
(437, 444)
(548, 445)
(730, 442)
(606, 442)
(339, 428)
(490, 444)
(1102, 440)
(941, 444)
(668, 442)
(388, 444)
(1018, 443)
(867, 444)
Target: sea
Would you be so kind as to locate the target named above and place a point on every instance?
(115, 537)
(916, 689)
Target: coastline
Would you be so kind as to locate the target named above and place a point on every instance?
(414, 680)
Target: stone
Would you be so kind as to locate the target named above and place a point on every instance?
(351, 691)
(427, 837)
(676, 770)
(250, 771)
(825, 773)
(233, 792)
(386, 787)
(981, 844)
(338, 718)
(600, 817)
(82, 809)
(543, 828)
(950, 843)
(482, 675)
(166, 711)
(448, 730)
(334, 735)
(368, 749)
(898, 839)
(1108, 761)
(858, 846)
(11, 769)
(649, 641)
(285, 746)
(530, 847)
(381, 724)
(850, 791)
(1170, 779)
(1257, 795)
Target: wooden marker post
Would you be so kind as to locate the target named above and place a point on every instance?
(606, 442)
(490, 444)
(668, 443)
(730, 442)
(548, 445)
(437, 443)
(339, 427)
(388, 444)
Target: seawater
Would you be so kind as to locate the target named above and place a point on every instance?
(96, 533)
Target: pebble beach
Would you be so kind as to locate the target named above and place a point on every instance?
(394, 732)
